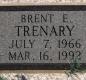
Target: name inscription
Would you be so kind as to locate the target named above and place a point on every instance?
(42, 36)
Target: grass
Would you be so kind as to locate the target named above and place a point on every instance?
(3, 78)
(75, 67)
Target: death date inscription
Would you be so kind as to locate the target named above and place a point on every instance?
(46, 32)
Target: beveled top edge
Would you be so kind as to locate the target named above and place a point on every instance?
(44, 8)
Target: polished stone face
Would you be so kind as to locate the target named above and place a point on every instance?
(42, 36)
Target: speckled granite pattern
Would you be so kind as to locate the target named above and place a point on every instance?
(40, 76)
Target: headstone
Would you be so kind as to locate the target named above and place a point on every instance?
(42, 37)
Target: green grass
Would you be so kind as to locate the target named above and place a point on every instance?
(3, 78)
(75, 67)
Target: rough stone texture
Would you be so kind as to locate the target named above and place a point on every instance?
(41, 2)
(42, 76)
